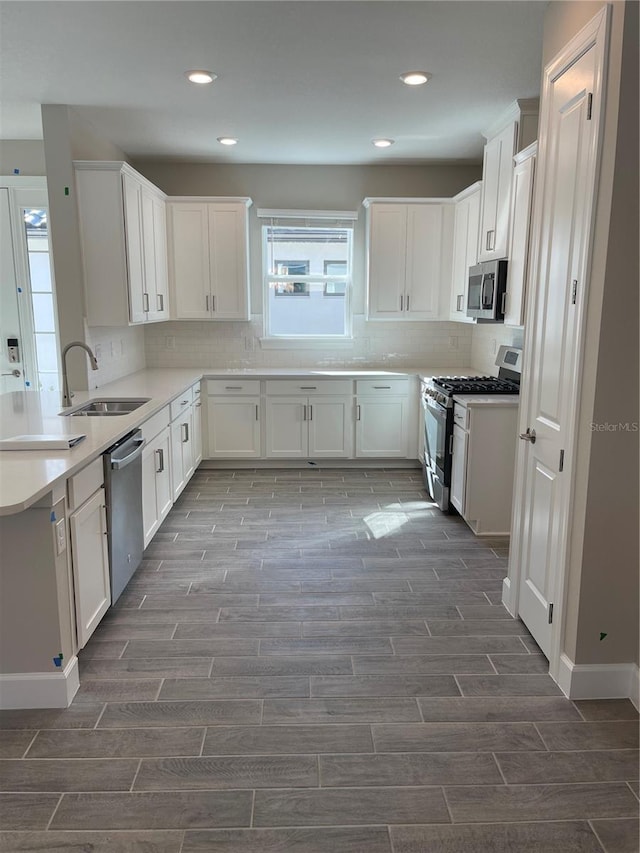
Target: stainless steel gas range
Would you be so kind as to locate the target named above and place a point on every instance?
(438, 400)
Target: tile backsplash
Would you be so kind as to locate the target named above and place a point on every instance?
(375, 344)
(119, 351)
(486, 339)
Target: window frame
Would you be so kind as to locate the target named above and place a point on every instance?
(311, 222)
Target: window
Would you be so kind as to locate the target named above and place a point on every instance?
(307, 279)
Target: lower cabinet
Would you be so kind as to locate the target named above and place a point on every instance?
(317, 427)
(197, 426)
(382, 418)
(233, 427)
(483, 464)
(181, 451)
(89, 553)
(157, 497)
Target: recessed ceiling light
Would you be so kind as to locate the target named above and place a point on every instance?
(383, 143)
(415, 78)
(227, 140)
(200, 76)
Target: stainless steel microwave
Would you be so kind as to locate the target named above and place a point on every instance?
(487, 291)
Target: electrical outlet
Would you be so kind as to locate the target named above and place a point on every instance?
(494, 346)
(249, 344)
(61, 537)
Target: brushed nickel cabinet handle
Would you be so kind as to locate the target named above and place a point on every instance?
(310, 412)
(160, 453)
(206, 299)
(401, 303)
(257, 412)
(145, 302)
(407, 301)
(358, 412)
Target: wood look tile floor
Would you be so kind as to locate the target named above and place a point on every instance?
(317, 661)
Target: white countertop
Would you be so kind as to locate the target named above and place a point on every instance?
(28, 475)
(473, 400)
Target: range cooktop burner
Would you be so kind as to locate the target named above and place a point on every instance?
(449, 385)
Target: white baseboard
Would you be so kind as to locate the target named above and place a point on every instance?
(599, 680)
(40, 689)
(507, 597)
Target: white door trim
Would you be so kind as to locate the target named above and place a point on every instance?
(594, 35)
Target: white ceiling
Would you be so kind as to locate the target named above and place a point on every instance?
(298, 82)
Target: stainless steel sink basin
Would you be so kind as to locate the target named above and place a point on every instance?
(106, 408)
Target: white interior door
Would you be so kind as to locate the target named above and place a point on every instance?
(543, 492)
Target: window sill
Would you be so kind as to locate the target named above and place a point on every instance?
(306, 343)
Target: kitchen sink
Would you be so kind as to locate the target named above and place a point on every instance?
(106, 408)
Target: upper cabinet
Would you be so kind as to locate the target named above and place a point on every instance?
(124, 247)
(515, 130)
(465, 248)
(519, 232)
(408, 256)
(208, 258)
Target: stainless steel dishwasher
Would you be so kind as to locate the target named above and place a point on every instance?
(123, 480)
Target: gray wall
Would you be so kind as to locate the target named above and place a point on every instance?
(26, 155)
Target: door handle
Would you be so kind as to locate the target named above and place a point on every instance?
(15, 373)
(529, 435)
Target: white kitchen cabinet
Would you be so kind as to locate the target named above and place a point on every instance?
(233, 419)
(157, 497)
(516, 129)
(483, 464)
(89, 552)
(123, 239)
(519, 233)
(197, 413)
(407, 258)
(209, 267)
(182, 450)
(311, 419)
(382, 418)
(465, 248)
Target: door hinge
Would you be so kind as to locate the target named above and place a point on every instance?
(574, 291)
(550, 614)
(561, 465)
(589, 105)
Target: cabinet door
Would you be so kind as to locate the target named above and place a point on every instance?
(233, 427)
(387, 255)
(228, 262)
(496, 190)
(162, 453)
(132, 197)
(188, 451)
(423, 264)
(521, 201)
(189, 267)
(330, 427)
(178, 479)
(382, 427)
(196, 441)
(287, 427)
(88, 526)
(459, 271)
(155, 247)
(458, 469)
(150, 514)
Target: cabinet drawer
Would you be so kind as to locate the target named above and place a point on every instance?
(382, 387)
(309, 387)
(181, 403)
(156, 424)
(232, 387)
(461, 416)
(83, 484)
